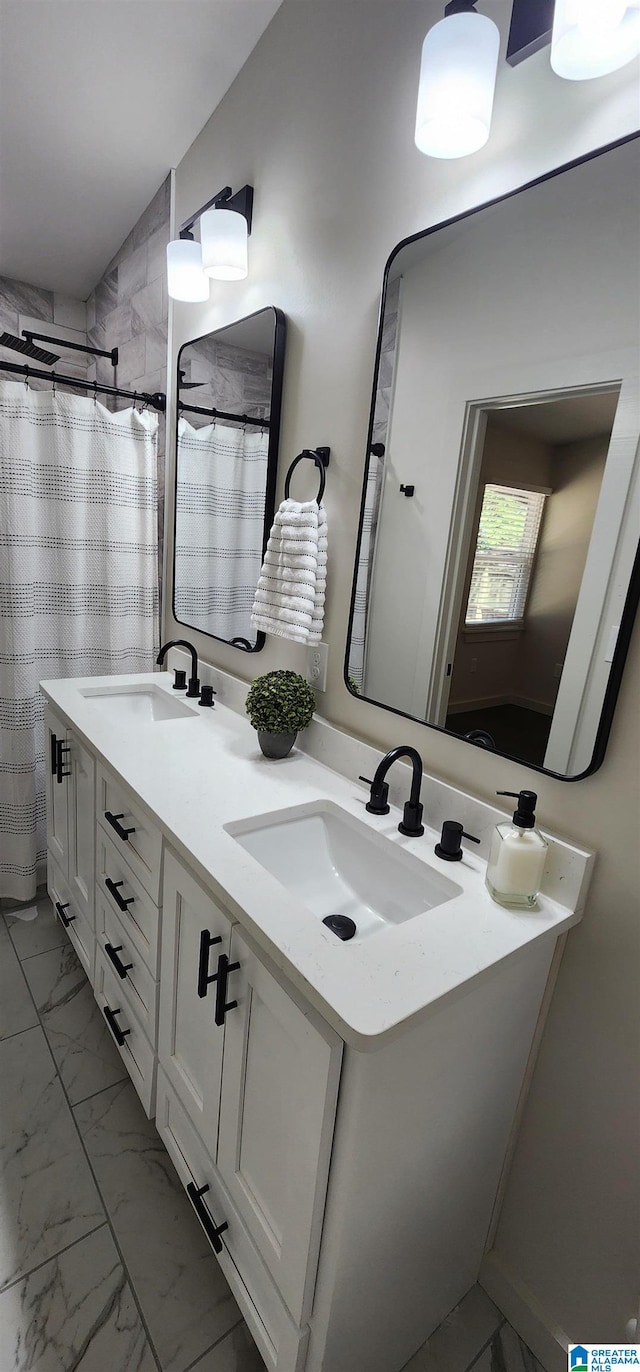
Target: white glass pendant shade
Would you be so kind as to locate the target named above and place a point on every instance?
(224, 244)
(185, 277)
(457, 85)
(594, 37)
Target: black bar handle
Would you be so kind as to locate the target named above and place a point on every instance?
(204, 979)
(112, 888)
(118, 1033)
(222, 1005)
(54, 755)
(112, 953)
(113, 821)
(60, 749)
(66, 919)
(211, 1229)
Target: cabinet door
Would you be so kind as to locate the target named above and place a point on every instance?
(82, 825)
(195, 932)
(279, 1090)
(57, 771)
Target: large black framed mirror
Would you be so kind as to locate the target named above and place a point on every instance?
(497, 572)
(229, 394)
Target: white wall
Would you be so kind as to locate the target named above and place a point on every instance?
(320, 120)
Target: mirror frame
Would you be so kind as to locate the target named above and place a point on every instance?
(632, 598)
(279, 341)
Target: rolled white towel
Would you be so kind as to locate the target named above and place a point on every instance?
(290, 595)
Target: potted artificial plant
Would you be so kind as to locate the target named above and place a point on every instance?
(278, 705)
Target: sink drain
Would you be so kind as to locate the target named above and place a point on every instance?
(341, 925)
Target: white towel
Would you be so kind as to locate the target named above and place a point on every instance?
(289, 601)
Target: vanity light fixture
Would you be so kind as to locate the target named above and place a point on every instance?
(588, 38)
(593, 37)
(225, 224)
(457, 82)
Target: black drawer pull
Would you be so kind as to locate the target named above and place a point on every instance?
(112, 888)
(112, 953)
(221, 976)
(66, 919)
(59, 768)
(118, 1033)
(113, 821)
(206, 942)
(211, 1229)
(54, 754)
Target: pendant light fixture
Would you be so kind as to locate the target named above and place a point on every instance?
(225, 224)
(457, 82)
(594, 37)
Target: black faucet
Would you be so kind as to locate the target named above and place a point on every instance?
(411, 823)
(193, 688)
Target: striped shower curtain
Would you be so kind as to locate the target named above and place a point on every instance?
(78, 581)
(220, 501)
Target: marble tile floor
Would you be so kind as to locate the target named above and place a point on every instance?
(103, 1267)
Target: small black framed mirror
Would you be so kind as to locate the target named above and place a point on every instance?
(229, 398)
(497, 571)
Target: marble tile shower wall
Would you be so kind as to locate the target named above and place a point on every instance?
(234, 379)
(129, 310)
(19, 299)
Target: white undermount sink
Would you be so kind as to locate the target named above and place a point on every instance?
(143, 704)
(337, 865)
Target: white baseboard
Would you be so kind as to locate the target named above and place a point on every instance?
(521, 1308)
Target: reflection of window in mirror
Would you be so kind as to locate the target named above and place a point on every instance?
(539, 473)
(505, 552)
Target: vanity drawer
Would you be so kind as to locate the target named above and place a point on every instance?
(135, 1050)
(280, 1342)
(135, 835)
(142, 917)
(69, 908)
(135, 981)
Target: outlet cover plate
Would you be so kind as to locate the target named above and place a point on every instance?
(317, 659)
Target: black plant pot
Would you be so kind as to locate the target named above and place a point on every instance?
(276, 745)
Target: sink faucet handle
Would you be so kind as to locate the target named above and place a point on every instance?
(378, 803)
(449, 846)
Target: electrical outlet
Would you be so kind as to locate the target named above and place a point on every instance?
(317, 659)
(557, 671)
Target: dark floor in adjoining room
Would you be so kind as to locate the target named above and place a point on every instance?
(103, 1266)
(515, 730)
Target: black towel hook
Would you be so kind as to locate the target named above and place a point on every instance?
(321, 458)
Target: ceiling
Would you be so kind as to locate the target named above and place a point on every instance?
(98, 100)
(586, 415)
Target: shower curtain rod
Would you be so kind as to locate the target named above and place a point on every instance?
(224, 414)
(157, 401)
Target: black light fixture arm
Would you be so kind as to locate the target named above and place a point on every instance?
(241, 203)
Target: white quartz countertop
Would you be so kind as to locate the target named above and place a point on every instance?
(195, 775)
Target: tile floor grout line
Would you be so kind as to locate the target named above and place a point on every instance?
(52, 1258)
(212, 1346)
(134, 1293)
(110, 1087)
(4, 1038)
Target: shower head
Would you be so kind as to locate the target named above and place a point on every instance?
(23, 345)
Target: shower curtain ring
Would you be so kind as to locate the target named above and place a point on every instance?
(95, 391)
(53, 385)
(26, 378)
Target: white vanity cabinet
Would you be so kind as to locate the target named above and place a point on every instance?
(347, 1188)
(70, 801)
(257, 1075)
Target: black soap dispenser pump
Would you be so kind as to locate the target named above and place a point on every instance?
(518, 855)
